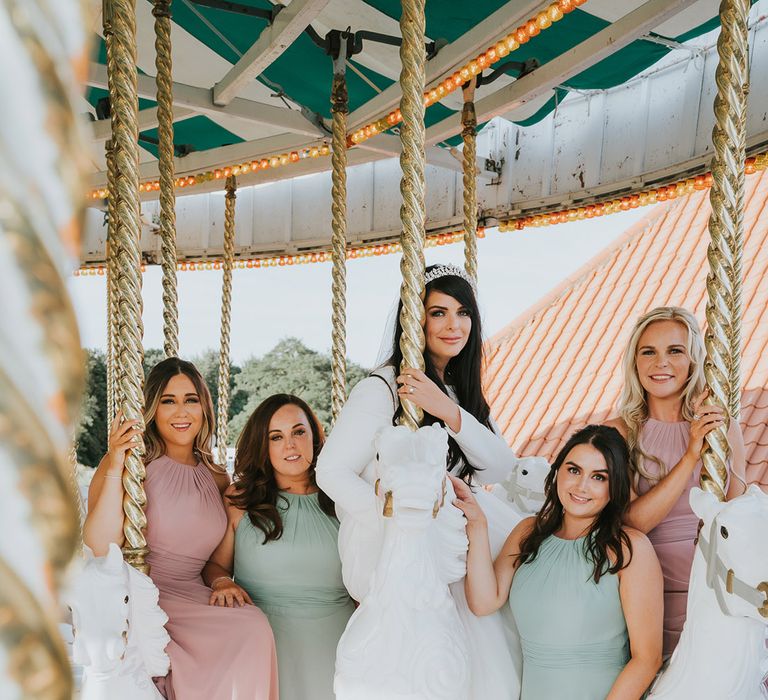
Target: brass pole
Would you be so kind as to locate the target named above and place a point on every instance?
(129, 303)
(726, 227)
(339, 110)
(226, 314)
(469, 136)
(111, 279)
(162, 14)
(412, 158)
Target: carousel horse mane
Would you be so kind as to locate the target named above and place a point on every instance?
(721, 654)
(118, 627)
(408, 620)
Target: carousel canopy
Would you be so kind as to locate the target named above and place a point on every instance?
(576, 104)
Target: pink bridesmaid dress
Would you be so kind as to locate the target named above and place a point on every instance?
(673, 538)
(216, 653)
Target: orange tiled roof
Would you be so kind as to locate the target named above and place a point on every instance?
(557, 367)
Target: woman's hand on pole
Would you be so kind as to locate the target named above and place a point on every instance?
(706, 418)
(421, 390)
(121, 437)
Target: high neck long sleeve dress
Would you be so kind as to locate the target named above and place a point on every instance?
(216, 653)
(346, 472)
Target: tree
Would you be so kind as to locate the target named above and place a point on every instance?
(208, 364)
(91, 434)
(292, 368)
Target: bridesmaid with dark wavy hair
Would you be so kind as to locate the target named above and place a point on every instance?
(584, 589)
(280, 550)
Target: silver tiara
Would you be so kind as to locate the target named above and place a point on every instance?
(446, 270)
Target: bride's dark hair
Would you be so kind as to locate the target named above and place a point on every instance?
(606, 540)
(462, 372)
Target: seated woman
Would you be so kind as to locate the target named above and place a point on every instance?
(215, 653)
(585, 592)
(281, 545)
(664, 419)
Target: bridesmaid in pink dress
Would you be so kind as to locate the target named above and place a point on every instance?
(216, 653)
(664, 419)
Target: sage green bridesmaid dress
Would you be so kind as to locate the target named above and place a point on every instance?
(296, 581)
(572, 630)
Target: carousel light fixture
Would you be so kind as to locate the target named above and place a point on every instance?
(353, 253)
(752, 165)
(640, 199)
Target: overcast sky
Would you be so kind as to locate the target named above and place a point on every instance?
(515, 270)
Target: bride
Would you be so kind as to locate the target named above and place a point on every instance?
(449, 393)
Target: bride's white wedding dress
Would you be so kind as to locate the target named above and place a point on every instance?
(346, 472)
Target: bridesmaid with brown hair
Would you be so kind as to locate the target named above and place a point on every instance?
(281, 545)
(215, 653)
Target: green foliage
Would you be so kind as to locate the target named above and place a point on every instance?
(91, 432)
(292, 368)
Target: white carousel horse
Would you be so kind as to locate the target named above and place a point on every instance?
(523, 489)
(119, 637)
(722, 647)
(405, 641)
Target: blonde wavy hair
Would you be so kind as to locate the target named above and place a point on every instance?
(633, 406)
(154, 386)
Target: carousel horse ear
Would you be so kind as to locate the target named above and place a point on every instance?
(705, 504)
(755, 490)
(88, 553)
(114, 559)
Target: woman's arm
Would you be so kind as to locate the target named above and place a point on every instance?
(487, 582)
(350, 448)
(104, 521)
(648, 510)
(217, 573)
(641, 588)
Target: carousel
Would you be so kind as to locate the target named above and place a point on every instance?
(337, 130)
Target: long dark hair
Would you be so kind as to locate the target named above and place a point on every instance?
(257, 492)
(462, 371)
(606, 539)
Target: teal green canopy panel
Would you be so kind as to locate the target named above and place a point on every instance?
(299, 79)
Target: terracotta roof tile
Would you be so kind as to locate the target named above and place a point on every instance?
(557, 367)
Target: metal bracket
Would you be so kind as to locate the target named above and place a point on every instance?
(240, 9)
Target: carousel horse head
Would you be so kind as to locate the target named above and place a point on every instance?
(115, 614)
(411, 473)
(524, 486)
(735, 547)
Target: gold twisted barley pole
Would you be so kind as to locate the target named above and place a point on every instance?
(339, 110)
(727, 236)
(412, 135)
(226, 315)
(469, 136)
(111, 275)
(41, 377)
(113, 196)
(162, 13)
(127, 234)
